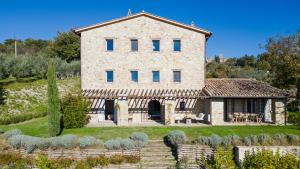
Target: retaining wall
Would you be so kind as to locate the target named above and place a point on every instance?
(78, 153)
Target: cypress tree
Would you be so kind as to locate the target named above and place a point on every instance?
(53, 101)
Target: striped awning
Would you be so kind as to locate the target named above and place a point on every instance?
(143, 93)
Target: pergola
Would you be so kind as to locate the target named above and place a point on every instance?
(139, 97)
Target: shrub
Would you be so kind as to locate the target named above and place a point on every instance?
(280, 139)
(65, 141)
(293, 139)
(254, 139)
(264, 139)
(74, 110)
(102, 160)
(215, 141)
(15, 141)
(221, 159)
(116, 159)
(43, 162)
(235, 139)
(267, 159)
(247, 141)
(294, 118)
(203, 140)
(227, 140)
(127, 144)
(92, 161)
(62, 163)
(82, 165)
(88, 141)
(176, 137)
(12, 132)
(14, 160)
(140, 139)
(132, 159)
(1, 131)
(113, 144)
(29, 143)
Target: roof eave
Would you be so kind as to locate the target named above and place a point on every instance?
(249, 97)
(199, 30)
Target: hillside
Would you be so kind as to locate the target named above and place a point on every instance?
(24, 100)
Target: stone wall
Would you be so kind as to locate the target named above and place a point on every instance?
(193, 152)
(95, 60)
(279, 108)
(78, 153)
(217, 112)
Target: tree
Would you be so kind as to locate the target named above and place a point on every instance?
(53, 101)
(66, 46)
(246, 61)
(298, 93)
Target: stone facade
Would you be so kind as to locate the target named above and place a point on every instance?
(95, 60)
(190, 61)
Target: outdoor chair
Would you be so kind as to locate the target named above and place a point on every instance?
(200, 117)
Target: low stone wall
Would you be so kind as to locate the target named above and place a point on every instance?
(239, 151)
(78, 153)
(193, 152)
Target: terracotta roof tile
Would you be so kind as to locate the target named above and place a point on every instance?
(241, 88)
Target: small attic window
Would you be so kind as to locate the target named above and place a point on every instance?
(109, 44)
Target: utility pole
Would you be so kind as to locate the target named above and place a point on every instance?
(16, 51)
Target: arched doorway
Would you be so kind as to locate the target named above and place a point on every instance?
(154, 110)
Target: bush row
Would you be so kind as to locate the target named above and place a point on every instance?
(17, 118)
(137, 140)
(252, 140)
(15, 160)
(17, 140)
(34, 66)
(177, 137)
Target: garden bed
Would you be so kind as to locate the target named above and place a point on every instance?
(240, 151)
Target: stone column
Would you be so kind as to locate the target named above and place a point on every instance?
(169, 118)
(217, 111)
(121, 112)
(279, 112)
(268, 111)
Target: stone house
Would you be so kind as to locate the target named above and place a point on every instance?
(143, 69)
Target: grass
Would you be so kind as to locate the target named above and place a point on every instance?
(27, 96)
(38, 127)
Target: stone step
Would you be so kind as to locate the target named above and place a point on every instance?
(158, 165)
(158, 159)
(156, 150)
(161, 154)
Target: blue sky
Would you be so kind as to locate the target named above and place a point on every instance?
(239, 26)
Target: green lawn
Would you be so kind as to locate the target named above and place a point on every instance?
(38, 127)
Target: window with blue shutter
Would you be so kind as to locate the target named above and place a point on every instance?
(155, 45)
(109, 44)
(177, 45)
(109, 76)
(134, 76)
(155, 76)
